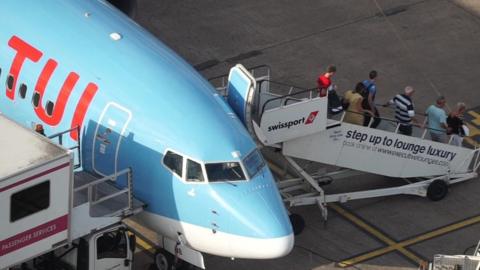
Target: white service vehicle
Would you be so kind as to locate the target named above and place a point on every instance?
(456, 262)
(54, 218)
(296, 121)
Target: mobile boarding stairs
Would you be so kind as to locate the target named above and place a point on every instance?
(296, 121)
(97, 201)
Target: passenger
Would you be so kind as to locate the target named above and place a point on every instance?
(334, 102)
(353, 104)
(455, 124)
(325, 85)
(325, 81)
(39, 129)
(437, 120)
(369, 99)
(404, 111)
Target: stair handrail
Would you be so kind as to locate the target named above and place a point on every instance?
(302, 91)
(474, 154)
(76, 147)
(394, 121)
(128, 189)
(250, 69)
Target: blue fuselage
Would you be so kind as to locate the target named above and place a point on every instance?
(135, 99)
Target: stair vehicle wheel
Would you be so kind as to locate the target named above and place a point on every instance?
(163, 260)
(437, 190)
(298, 223)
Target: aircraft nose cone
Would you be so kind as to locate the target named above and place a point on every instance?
(266, 218)
(269, 248)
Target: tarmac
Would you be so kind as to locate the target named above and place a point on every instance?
(432, 45)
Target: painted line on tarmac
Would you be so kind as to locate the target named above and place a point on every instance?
(441, 231)
(402, 245)
(472, 120)
(476, 117)
(370, 229)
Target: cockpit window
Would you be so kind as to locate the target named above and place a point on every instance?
(253, 163)
(225, 171)
(194, 172)
(174, 162)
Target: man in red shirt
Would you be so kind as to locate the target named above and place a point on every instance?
(324, 81)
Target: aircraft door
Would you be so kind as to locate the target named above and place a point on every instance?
(107, 138)
(241, 90)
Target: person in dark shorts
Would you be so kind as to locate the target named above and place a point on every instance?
(404, 111)
(324, 84)
(369, 100)
(455, 124)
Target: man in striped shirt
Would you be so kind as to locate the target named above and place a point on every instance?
(404, 111)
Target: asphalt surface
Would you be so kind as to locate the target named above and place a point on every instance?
(431, 45)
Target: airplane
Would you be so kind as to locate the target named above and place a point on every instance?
(85, 64)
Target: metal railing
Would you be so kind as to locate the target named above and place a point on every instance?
(91, 188)
(60, 135)
(423, 125)
(294, 93)
(396, 123)
(220, 82)
(253, 70)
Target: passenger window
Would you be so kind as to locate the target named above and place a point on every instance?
(35, 99)
(112, 245)
(23, 90)
(174, 162)
(29, 201)
(10, 82)
(194, 171)
(49, 107)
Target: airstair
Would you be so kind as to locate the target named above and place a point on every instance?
(296, 121)
(97, 201)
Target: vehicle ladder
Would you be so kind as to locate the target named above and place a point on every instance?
(97, 201)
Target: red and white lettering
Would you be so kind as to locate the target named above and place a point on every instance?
(81, 108)
(24, 51)
(33, 235)
(62, 98)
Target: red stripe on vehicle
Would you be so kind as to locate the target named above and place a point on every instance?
(33, 235)
(34, 176)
